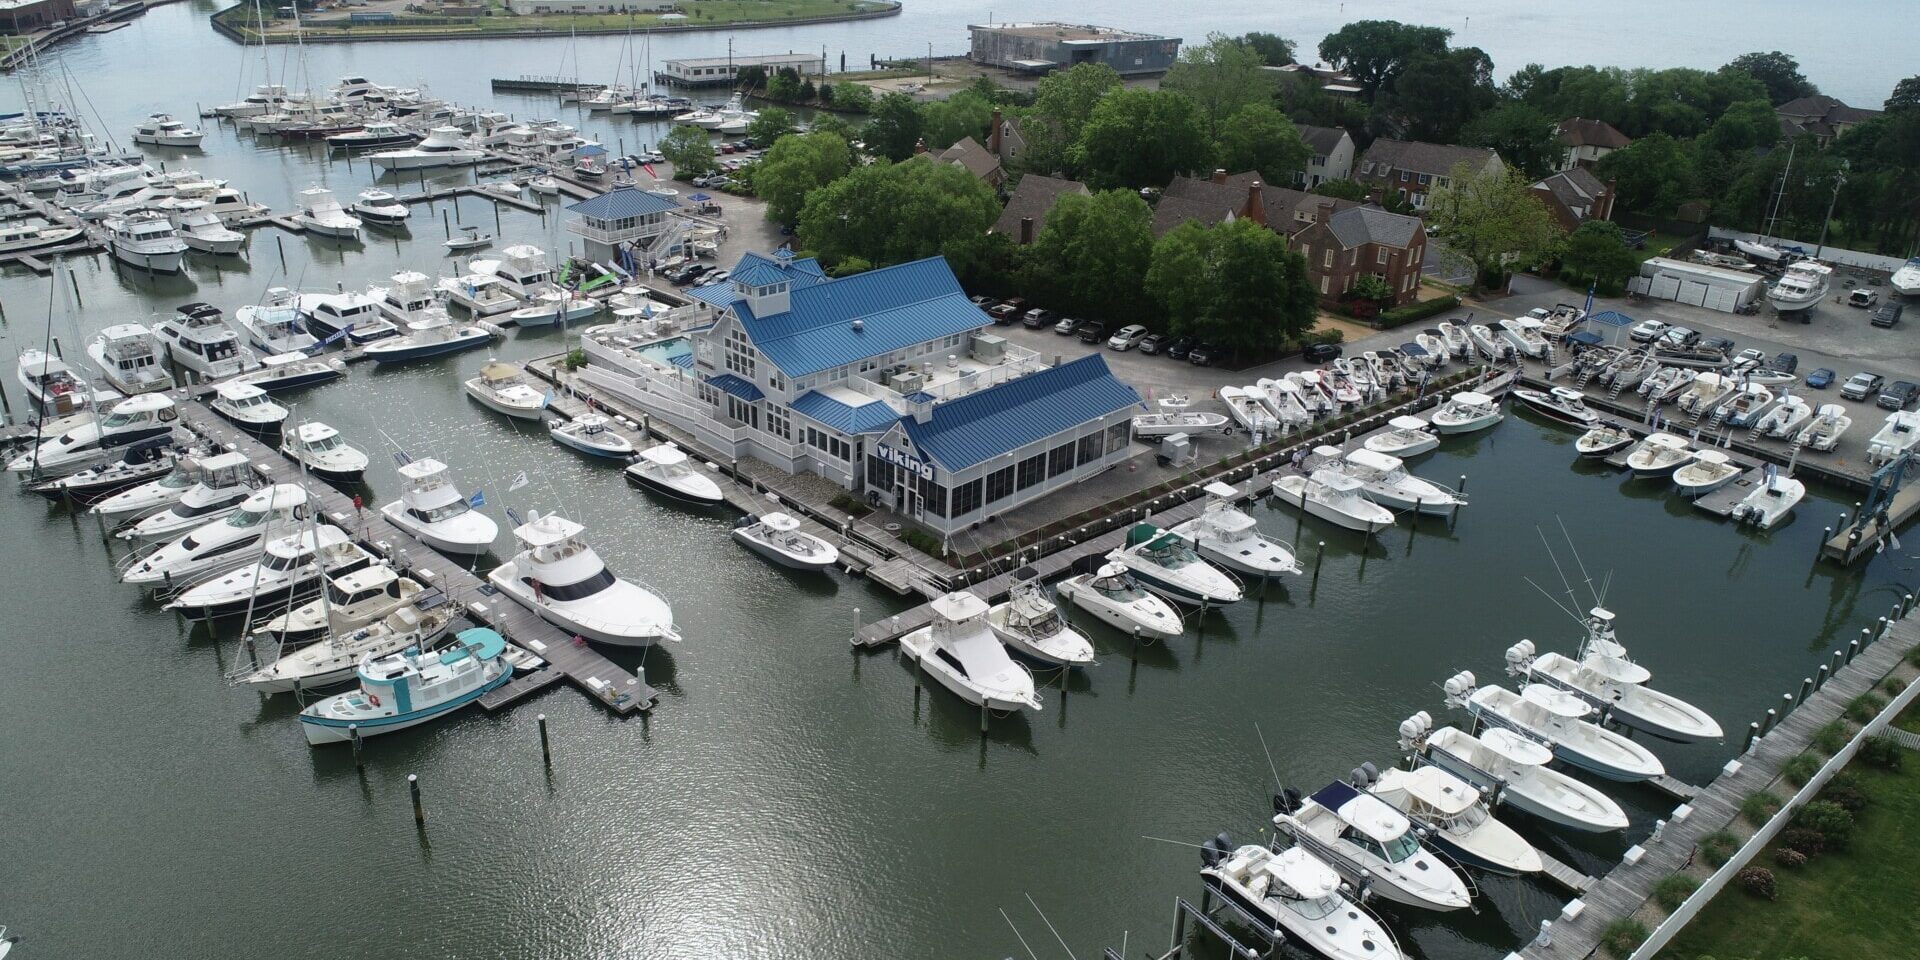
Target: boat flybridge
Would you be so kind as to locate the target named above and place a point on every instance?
(434, 510)
(1556, 718)
(223, 544)
(198, 339)
(1030, 624)
(53, 386)
(778, 537)
(1167, 564)
(1456, 817)
(1115, 598)
(1293, 894)
(220, 484)
(276, 326)
(130, 360)
(559, 577)
(1602, 675)
(1230, 537)
(1514, 769)
(1369, 842)
(408, 688)
(504, 389)
(960, 650)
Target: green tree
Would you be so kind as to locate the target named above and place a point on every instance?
(1493, 220)
(1435, 95)
(856, 97)
(1259, 137)
(690, 151)
(944, 123)
(1374, 52)
(1595, 252)
(825, 94)
(1744, 127)
(1092, 256)
(770, 124)
(1343, 190)
(1906, 96)
(1067, 97)
(890, 213)
(1221, 75)
(1596, 93)
(1234, 284)
(1654, 174)
(1274, 49)
(750, 77)
(894, 129)
(1372, 288)
(1521, 134)
(795, 166)
(1142, 138)
(1177, 277)
(1776, 71)
(835, 124)
(1682, 102)
(784, 87)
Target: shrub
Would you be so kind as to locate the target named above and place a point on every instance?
(1759, 882)
(1893, 685)
(1418, 310)
(1802, 768)
(850, 505)
(1865, 706)
(922, 541)
(1789, 858)
(1718, 846)
(1759, 808)
(1673, 891)
(1832, 737)
(1844, 789)
(1881, 752)
(1913, 656)
(1829, 819)
(1329, 335)
(1807, 843)
(1623, 936)
(576, 358)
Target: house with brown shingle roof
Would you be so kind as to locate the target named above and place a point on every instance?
(977, 160)
(1332, 156)
(1820, 115)
(1410, 169)
(1575, 196)
(1587, 141)
(1026, 211)
(1341, 240)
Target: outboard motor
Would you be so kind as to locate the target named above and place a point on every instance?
(1286, 801)
(1215, 850)
(1372, 772)
(1520, 658)
(1358, 777)
(1458, 688)
(1414, 730)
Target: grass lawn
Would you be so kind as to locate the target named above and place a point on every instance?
(1657, 245)
(1856, 905)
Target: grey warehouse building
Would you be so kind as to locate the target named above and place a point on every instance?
(1042, 47)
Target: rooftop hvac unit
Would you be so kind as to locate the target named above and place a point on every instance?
(988, 348)
(910, 382)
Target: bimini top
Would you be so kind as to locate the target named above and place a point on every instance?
(311, 433)
(422, 469)
(1471, 398)
(665, 454)
(143, 403)
(1439, 790)
(1363, 811)
(780, 522)
(1407, 423)
(223, 461)
(959, 605)
(1373, 460)
(238, 390)
(496, 371)
(478, 642)
(1336, 481)
(1224, 491)
(1301, 872)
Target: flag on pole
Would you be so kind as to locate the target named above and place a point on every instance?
(519, 480)
(477, 500)
(1589, 307)
(514, 516)
(648, 167)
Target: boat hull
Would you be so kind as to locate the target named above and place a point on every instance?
(168, 262)
(1470, 425)
(440, 542)
(379, 353)
(487, 400)
(321, 730)
(781, 557)
(651, 485)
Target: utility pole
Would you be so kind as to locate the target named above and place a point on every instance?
(1839, 180)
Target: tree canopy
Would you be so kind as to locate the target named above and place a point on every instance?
(1261, 138)
(1374, 52)
(770, 124)
(894, 127)
(1092, 255)
(1067, 97)
(1434, 95)
(1274, 50)
(1653, 174)
(797, 165)
(1777, 72)
(1493, 219)
(944, 123)
(690, 151)
(891, 213)
(1521, 134)
(1235, 284)
(1142, 138)
(1595, 252)
(1220, 76)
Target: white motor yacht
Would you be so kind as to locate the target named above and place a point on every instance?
(1030, 624)
(127, 466)
(274, 327)
(1466, 412)
(1824, 431)
(1897, 436)
(591, 434)
(248, 407)
(222, 544)
(220, 484)
(1166, 563)
(380, 208)
(1115, 598)
(481, 294)
(960, 651)
(1616, 688)
(443, 147)
(99, 437)
(1659, 455)
(1294, 895)
(24, 236)
(412, 687)
(198, 339)
(146, 240)
(1770, 501)
(333, 658)
(1604, 440)
(203, 231)
(356, 316)
(372, 136)
(1514, 769)
(1228, 536)
(290, 371)
(322, 214)
(778, 537)
(1384, 480)
(129, 359)
(1785, 420)
(349, 602)
(1404, 437)
(153, 494)
(432, 334)
(54, 387)
(559, 577)
(322, 450)
(1800, 287)
(1333, 496)
(1370, 844)
(289, 567)
(503, 388)
(1555, 718)
(665, 469)
(435, 511)
(1564, 404)
(1709, 471)
(1456, 817)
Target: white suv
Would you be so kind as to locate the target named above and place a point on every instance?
(1646, 330)
(1127, 337)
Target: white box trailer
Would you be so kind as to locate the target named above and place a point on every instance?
(1697, 284)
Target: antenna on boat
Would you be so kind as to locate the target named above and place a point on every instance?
(1016, 933)
(1557, 569)
(1576, 559)
(1049, 923)
(1263, 749)
(1550, 597)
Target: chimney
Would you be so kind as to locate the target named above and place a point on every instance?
(919, 147)
(1322, 210)
(993, 135)
(1026, 230)
(1256, 205)
(1219, 176)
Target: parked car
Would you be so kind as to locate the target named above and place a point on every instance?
(1205, 354)
(1785, 362)
(1679, 336)
(1862, 385)
(1039, 317)
(1154, 343)
(1899, 395)
(1321, 352)
(1721, 344)
(1019, 304)
(1752, 355)
(1862, 297)
(1180, 347)
(717, 276)
(1821, 378)
(1003, 313)
(1127, 337)
(1091, 331)
(687, 274)
(1886, 315)
(1646, 330)
(980, 301)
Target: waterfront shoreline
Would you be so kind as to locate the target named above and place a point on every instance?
(245, 37)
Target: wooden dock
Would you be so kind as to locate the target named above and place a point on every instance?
(613, 686)
(1848, 545)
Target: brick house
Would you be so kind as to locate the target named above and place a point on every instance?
(977, 160)
(1026, 211)
(1587, 141)
(1821, 116)
(1332, 157)
(1340, 239)
(1575, 196)
(1410, 170)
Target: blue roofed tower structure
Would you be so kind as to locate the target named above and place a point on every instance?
(627, 218)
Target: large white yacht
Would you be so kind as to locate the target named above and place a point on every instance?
(290, 566)
(1029, 623)
(1294, 893)
(559, 577)
(128, 357)
(1801, 286)
(221, 544)
(220, 484)
(199, 340)
(1369, 842)
(1228, 536)
(1515, 768)
(1167, 563)
(94, 438)
(434, 510)
(443, 147)
(1112, 596)
(147, 241)
(1558, 719)
(321, 213)
(960, 651)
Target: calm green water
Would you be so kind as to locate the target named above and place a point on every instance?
(789, 798)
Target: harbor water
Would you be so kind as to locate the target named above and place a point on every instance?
(788, 798)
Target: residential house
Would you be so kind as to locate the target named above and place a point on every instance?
(1331, 159)
(1026, 211)
(1341, 240)
(1821, 116)
(977, 160)
(1410, 170)
(1587, 141)
(1575, 196)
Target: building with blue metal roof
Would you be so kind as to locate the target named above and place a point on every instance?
(890, 383)
(622, 226)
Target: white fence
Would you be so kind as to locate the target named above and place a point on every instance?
(1850, 258)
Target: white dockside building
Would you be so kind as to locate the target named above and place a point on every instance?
(889, 383)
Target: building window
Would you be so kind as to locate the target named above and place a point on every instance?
(1406, 176)
(1425, 179)
(1323, 285)
(879, 474)
(1306, 252)
(1033, 470)
(709, 396)
(1091, 447)
(776, 382)
(777, 422)
(1000, 484)
(1381, 257)
(1060, 459)
(933, 497)
(1326, 259)
(1117, 436)
(1353, 257)
(1319, 161)
(739, 353)
(966, 498)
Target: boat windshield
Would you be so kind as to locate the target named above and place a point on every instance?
(281, 564)
(246, 518)
(573, 591)
(1401, 847)
(1170, 552)
(1315, 909)
(437, 514)
(323, 444)
(1118, 589)
(121, 419)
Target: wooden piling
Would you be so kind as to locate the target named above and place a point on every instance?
(419, 812)
(546, 750)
